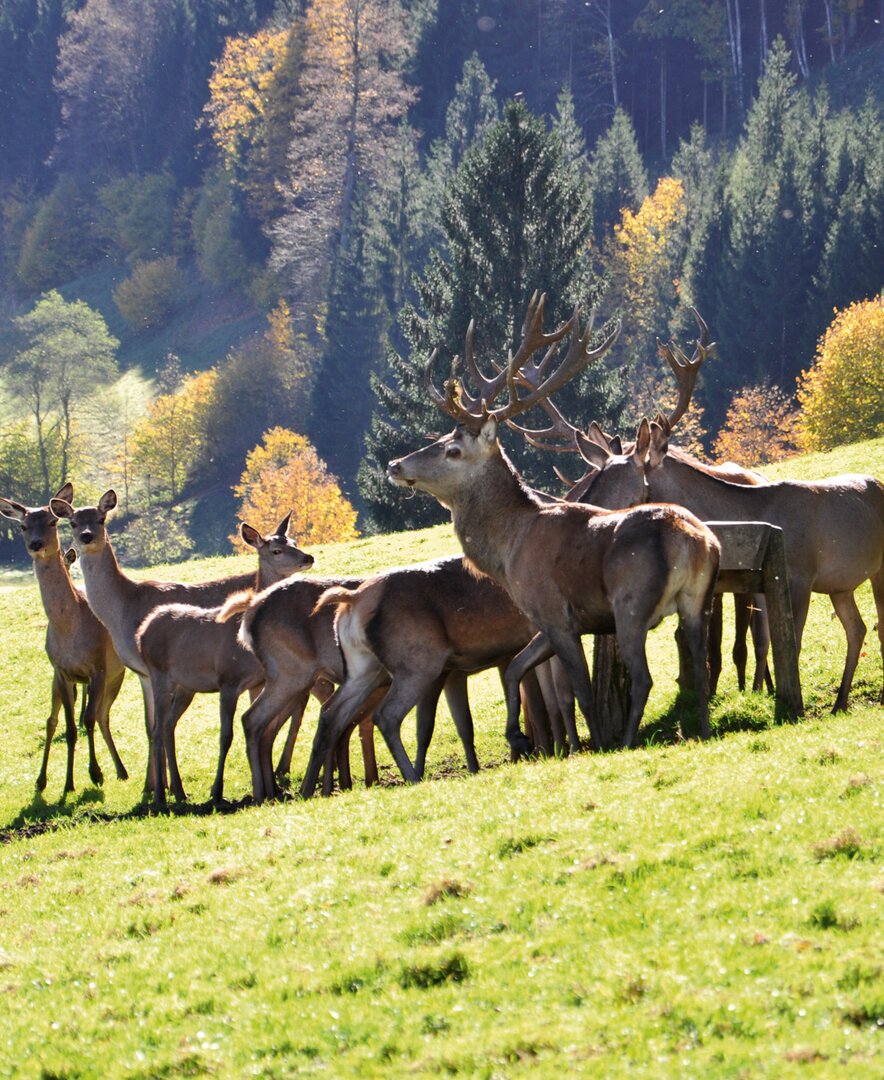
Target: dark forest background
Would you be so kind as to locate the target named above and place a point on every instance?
(300, 200)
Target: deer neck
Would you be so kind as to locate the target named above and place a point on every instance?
(709, 497)
(111, 595)
(489, 517)
(60, 598)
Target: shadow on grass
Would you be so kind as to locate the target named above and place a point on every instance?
(40, 817)
(729, 714)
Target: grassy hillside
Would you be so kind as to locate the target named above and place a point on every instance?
(677, 910)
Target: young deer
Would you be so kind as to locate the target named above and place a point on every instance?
(77, 644)
(191, 650)
(121, 603)
(415, 629)
(570, 568)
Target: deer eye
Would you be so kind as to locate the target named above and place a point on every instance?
(452, 450)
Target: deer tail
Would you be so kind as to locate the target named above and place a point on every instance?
(337, 594)
(235, 604)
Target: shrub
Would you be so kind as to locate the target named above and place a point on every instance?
(842, 394)
(759, 427)
(151, 293)
(136, 214)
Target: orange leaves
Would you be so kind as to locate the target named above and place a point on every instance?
(760, 427)
(285, 473)
(842, 394)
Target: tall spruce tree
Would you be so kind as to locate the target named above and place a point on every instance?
(618, 176)
(516, 218)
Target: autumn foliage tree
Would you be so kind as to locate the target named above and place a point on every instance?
(760, 427)
(842, 393)
(285, 474)
(170, 442)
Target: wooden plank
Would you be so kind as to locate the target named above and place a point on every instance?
(743, 543)
(782, 626)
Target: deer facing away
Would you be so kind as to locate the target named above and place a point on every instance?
(188, 650)
(570, 568)
(79, 647)
(414, 631)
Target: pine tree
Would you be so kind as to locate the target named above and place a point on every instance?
(516, 218)
(617, 175)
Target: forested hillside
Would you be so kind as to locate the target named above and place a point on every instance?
(231, 233)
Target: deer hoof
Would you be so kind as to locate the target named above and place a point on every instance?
(521, 747)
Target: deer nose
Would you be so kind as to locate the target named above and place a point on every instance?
(85, 537)
(36, 545)
(394, 467)
(308, 560)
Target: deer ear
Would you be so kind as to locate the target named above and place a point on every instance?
(66, 492)
(107, 501)
(616, 445)
(61, 508)
(12, 510)
(488, 431)
(642, 441)
(592, 452)
(283, 527)
(659, 446)
(251, 536)
(70, 556)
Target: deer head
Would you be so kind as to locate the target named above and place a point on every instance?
(87, 523)
(38, 524)
(278, 555)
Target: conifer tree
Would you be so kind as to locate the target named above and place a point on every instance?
(618, 176)
(516, 218)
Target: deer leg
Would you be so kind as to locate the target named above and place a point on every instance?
(51, 726)
(228, 698)
(274, 700)
(569, 649)
(878, 592)
(631, 640)
(459, 706)
(66, 693)
(109, 696)
(855, 629)
(565, 696)
(150, 779)
(284, 765)
(426, 712)
(552, 706)
(742, 621)
(336, 715)
(162, 697)
(760, 630)
(534, 705)
(93, 693)
(716, 627)
(342, 761)
(369, 761)
(535, 652)
(181, 699)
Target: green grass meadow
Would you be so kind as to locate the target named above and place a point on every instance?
(678, 910)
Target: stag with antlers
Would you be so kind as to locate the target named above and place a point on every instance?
(594, 445)
(570, 568)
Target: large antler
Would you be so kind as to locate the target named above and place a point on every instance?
(684, 369)
(462, 406)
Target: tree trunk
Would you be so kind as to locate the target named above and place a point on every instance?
(663, 73)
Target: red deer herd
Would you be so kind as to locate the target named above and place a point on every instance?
(624, 548)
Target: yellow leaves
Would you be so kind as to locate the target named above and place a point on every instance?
(285, 473)
(334, 25)
(842, 394)
(239, 84)
(170, 439)
(760, 427)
